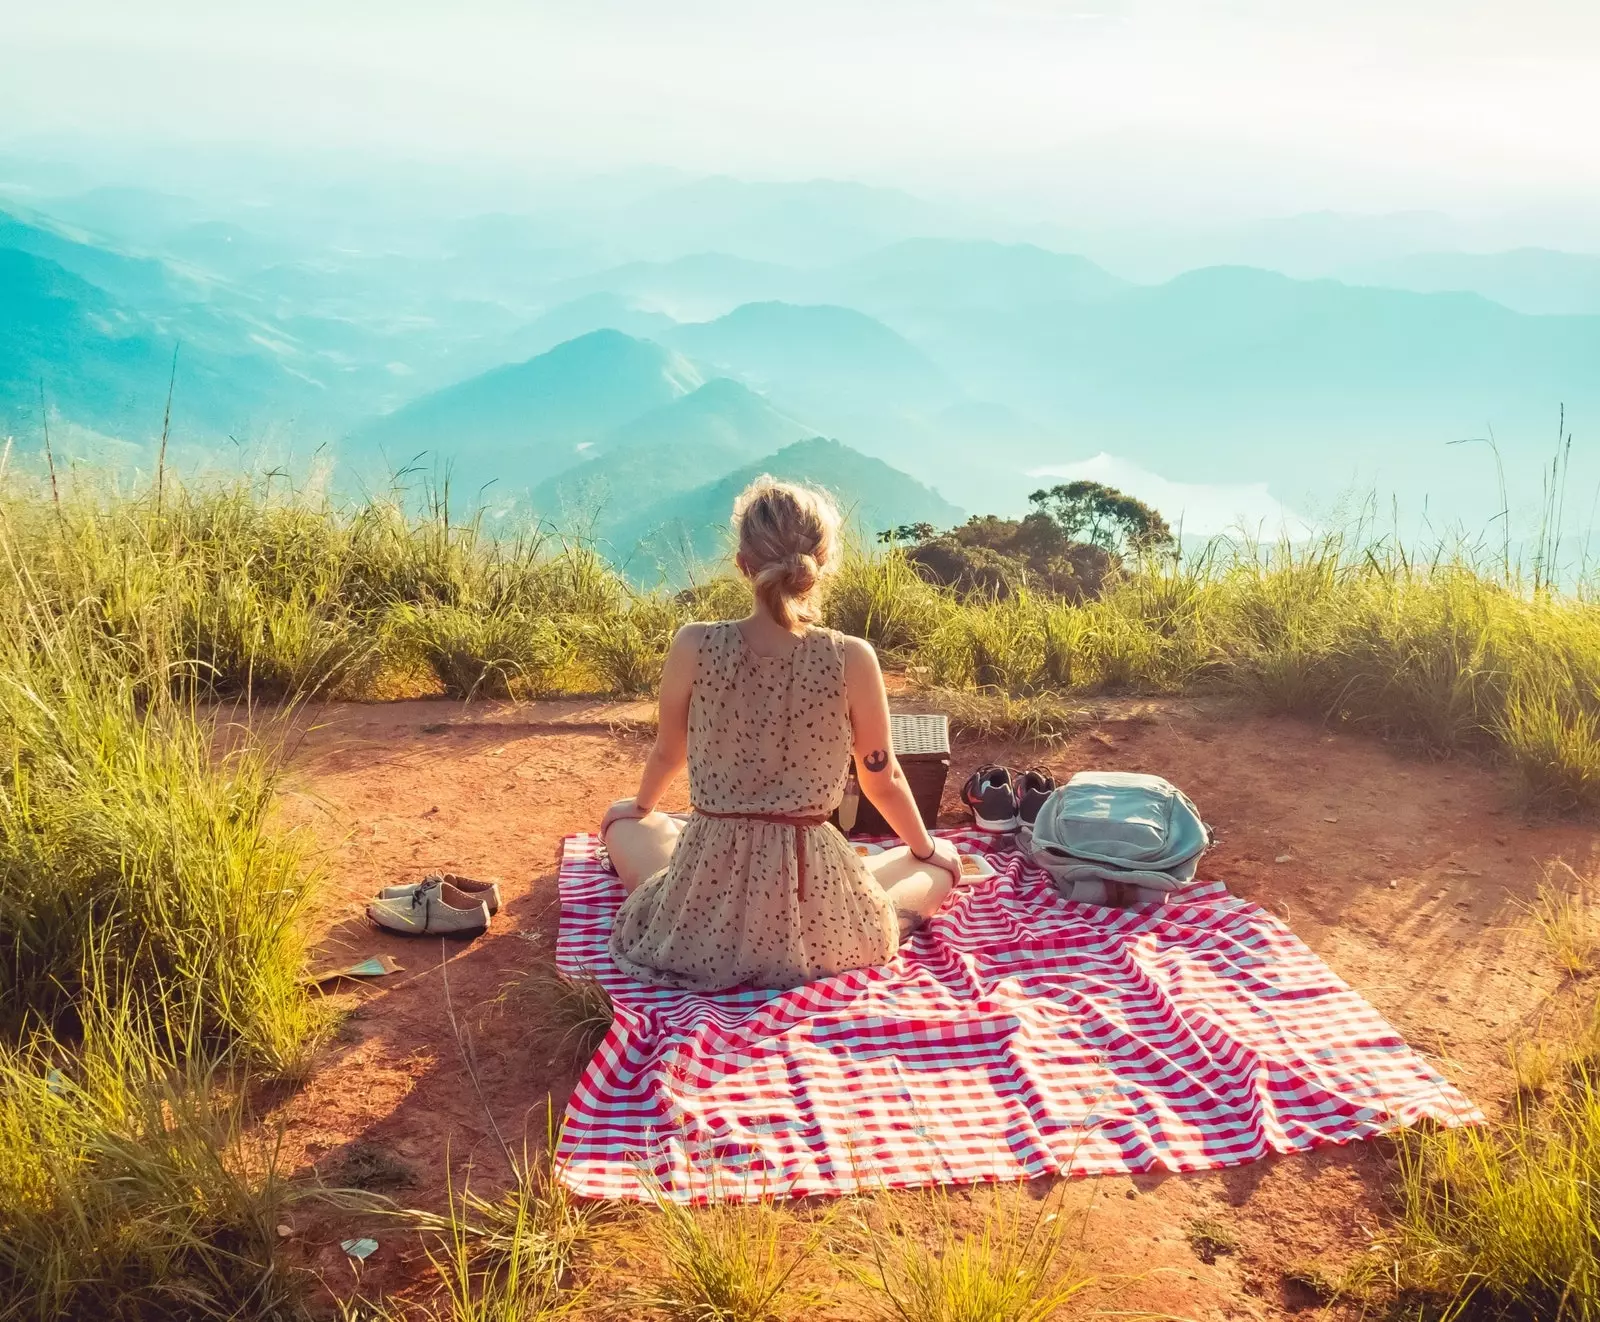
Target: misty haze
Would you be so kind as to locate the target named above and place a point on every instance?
(599, 340)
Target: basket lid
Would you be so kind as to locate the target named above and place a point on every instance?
(920, 733)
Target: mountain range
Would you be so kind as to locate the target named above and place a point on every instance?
(604, 348)
(619, 439)
(99, 363)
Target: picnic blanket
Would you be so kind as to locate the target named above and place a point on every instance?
(1016, 1035)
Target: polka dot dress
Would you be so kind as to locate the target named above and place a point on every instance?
(766, 735)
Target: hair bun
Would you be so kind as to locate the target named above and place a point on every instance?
(801, 572)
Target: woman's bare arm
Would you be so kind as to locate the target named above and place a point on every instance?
(882, 780)
(670, 753)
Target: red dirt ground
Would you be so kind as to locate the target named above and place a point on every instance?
(1409, 877)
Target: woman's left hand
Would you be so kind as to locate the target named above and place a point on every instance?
(621, 810)
(945, 855)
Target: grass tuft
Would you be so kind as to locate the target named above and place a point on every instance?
(1046, 719)
(575, 1007)
(1535, 1067)
(726, 1263)
(1210, 1238)
(1565, 917)
(1005, 1271)
(507, 1259)
(1506, 1216)
(500, 652)
(370, 1166)
(627, 651)
(1312, 1279)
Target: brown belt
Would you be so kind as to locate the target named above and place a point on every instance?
(799, 825)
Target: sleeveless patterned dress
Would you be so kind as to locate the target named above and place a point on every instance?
(767, 736)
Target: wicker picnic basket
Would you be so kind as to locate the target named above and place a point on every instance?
(922, 743)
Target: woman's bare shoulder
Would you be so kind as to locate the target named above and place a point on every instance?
(858, 653)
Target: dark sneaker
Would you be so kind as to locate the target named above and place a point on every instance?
(992, 796)
(1032, 790)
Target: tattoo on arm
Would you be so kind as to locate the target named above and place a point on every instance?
(876, 760)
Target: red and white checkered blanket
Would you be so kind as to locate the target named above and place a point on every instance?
(1014, 1036)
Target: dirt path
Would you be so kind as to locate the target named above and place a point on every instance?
(1408, 877)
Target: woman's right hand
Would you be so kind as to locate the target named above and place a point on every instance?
(621, 810)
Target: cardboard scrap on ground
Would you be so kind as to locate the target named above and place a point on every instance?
(374, 966)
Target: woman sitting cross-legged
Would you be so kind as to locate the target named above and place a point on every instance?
(758, 888)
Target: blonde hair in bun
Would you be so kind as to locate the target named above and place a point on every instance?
(788, 541)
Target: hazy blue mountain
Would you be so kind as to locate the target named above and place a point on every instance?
(696, 287)
(812, 222)
(691, 528)
(956, 274)
(1231, 374)
(828, 361)
(144, 218)
(107, 366)
(1316, 243)
(674, 448)
(273, 353)
(1538, 281)
(525, 422)
(139, 280)
(592, 312)
(1308, 245)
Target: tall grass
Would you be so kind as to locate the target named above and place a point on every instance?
(131, 858)
(259, 589)
(150, 966)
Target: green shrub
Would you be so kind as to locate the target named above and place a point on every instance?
(627, 651)
(1506, 1216)
(123, 838)
(495, 652)
(881, 598)
(128, 1188)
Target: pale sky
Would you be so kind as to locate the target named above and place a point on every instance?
(1250, 105)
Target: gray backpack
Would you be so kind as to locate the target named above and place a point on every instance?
(1118, 837)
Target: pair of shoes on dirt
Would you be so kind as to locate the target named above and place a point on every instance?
(442, 904)
(1003, 801)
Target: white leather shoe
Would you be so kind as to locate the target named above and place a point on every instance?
(487, 891)
(440, 910)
